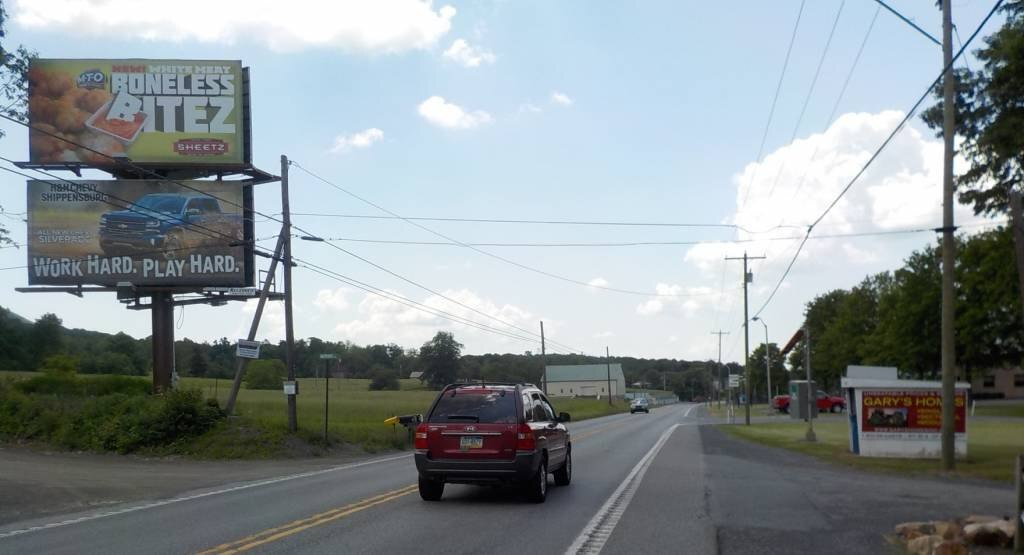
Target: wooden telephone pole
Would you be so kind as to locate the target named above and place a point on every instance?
(747, 278)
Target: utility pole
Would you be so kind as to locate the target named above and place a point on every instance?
(747, 278)
(608, 363)
(948, 247)
(543, 361)
(721, 382)
(810, 394)
(286, 232)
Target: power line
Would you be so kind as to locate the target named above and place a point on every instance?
(810, 93)
(775, 99)
(483, 252)
(839, 98)
(909, 22)
(538, 222)
(877, 152)
(164, 178)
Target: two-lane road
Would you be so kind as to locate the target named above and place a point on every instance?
(637, 486)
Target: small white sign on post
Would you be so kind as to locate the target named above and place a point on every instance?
(328, 356)
(291, 388)
(734, 381)
(247, 349)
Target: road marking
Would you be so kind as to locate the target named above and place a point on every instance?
(164, 502)
(596, 533)
(280, 532)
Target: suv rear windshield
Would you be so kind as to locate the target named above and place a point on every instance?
(477, 405)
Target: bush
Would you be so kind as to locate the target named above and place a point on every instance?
(67, 384)
(384, 379)
(265, 374)
(109, 363)
(59, 364)
(111, 422)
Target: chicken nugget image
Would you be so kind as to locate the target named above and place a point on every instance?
(57, 84)
(42, 110)
(93, 100)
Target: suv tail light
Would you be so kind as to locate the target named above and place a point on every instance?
(421, 437)
(525, 440)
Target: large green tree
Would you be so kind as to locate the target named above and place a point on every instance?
(439, 358)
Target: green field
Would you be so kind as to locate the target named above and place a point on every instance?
(355, 416)
(1015, 410)
(760, 409)
(991, 447)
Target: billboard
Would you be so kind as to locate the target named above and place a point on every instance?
(153, 112)
(142, 232)
(910, 412)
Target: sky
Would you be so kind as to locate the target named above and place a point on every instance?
(649, 112)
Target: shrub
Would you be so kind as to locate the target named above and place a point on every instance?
(59, 364)
(265, 374)
(65, 384)
(109, 363)
(383, 379)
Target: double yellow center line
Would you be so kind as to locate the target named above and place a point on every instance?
(280, 532)
(292, 528)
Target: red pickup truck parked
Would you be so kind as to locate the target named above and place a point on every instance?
(826, 403)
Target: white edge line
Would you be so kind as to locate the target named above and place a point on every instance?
(635, 475)
(173, 500)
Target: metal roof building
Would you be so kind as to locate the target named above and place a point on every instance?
(584, 380)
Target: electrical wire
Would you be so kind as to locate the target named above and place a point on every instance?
(775, 99)
(810, 93)
(877, 152)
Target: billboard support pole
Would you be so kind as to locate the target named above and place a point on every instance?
(286, 233)
(163, 341)
(229, 408)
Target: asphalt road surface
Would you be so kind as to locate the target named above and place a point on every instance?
(657, 483)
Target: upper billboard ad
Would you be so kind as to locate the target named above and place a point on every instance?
(142, 232)
(152, 112)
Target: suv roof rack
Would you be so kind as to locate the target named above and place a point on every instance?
(486, 383)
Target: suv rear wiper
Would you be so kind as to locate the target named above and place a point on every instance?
(463, 417)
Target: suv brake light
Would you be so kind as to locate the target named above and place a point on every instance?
(421, 437)
(525, 440)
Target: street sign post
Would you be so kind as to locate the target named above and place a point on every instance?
(247, 349)
(327, 358)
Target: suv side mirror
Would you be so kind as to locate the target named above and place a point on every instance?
(564, 417)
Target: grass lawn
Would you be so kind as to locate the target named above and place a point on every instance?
(1001, 409)
(355, 414)
(991, 447)
(757, 409)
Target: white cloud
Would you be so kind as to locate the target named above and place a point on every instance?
(467, 55)
(597, 283)
(372, 26)
(384, 320)
(561, 98)
(332, 300)
(362, 139)
(529, 108)
(684, 300)
(794, 184)
(271, 324)
(442, 113)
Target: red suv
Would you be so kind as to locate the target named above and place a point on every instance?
(493, 434)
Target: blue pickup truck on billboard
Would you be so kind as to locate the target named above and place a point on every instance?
(171, 222)
(192, 233)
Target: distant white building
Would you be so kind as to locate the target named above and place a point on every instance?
(584, 380)
(415, 375)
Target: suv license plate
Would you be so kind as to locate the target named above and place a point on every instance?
(471, 442)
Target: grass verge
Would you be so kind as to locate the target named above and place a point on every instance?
(355, 418)
(1015, 410)
(991, 448)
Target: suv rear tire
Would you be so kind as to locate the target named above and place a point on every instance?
(431, 490)
(537, 487)
(564, 475)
